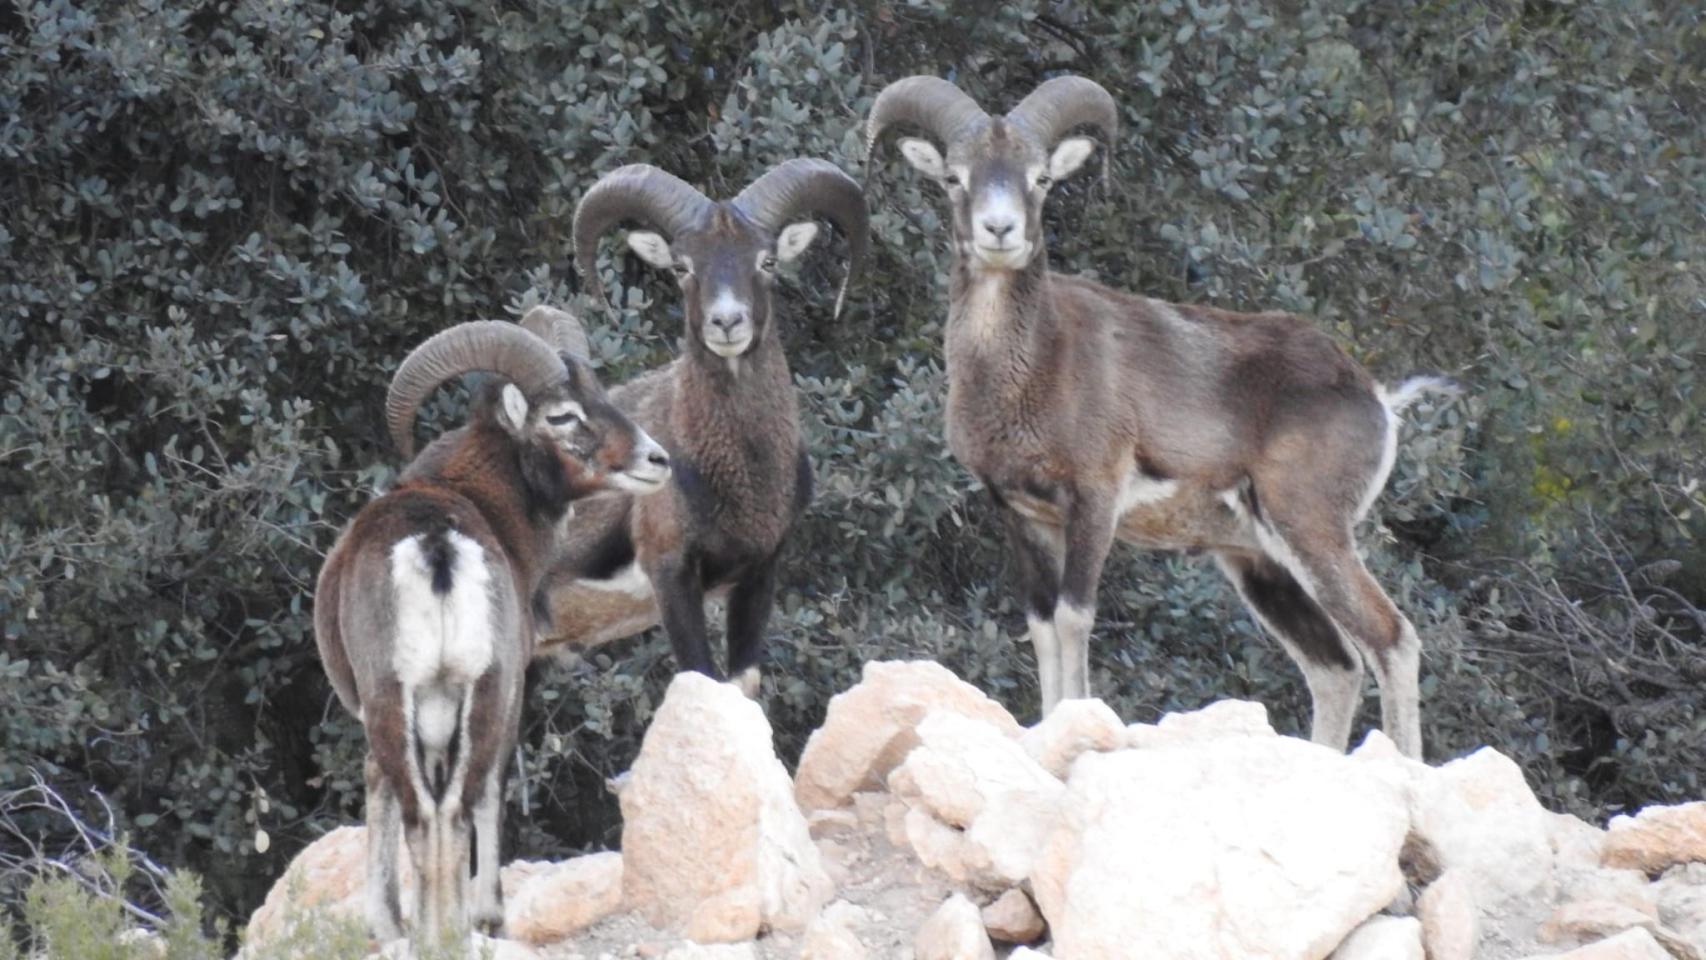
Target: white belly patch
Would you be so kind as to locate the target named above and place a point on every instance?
(630, 581)
(1138, 489)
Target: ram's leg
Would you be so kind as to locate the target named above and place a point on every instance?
(492, 727)
(681, 602)
(384, 908)
(1331, 668)
(1319, 551)
(750, 603)
(1036, 556)
(1089, 537)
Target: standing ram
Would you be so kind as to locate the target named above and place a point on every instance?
(725, 409)
(1094, 415)
(424, 609)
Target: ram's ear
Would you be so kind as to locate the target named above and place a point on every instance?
(652, 248)
(795, 238)
(923, 156)
(1069, 156)
(512, 412)
(583, 383)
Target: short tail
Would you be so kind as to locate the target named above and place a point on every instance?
(1415, 386)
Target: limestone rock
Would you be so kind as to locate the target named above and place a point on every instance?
(954, 932)
(830, 935)
(719, 951)
(1586, 920)
(1656, 838)
(1477, 814)
(869, 728)
(1294, 843)
(1576, 844)
(967, 775)
(1681, 899)
(1013, 918)
(330, 873)
(552, 905)
(1627, 887)
(479, 945)
(941, 847)
(1450, 925)
(1383, 938)
(1072, 728)
(1629, 945)
(728, 917)
(709, 821)
(1217, 721)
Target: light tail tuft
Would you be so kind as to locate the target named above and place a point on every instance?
(1417, 385)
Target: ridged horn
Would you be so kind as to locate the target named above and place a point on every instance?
(929, 103)
(493, 346)
(800, 187)
(559, 328)
(638, 191)
(1062, 103)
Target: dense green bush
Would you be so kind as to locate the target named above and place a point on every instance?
(221, 225)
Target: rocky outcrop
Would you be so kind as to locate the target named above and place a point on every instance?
(1657, 838)
(954, 932)
(712, 841)
(981, 807)
(1254, 847)
(938, 827)
(869, 729)
(564, 899)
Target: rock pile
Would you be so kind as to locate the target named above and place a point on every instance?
(924, 822)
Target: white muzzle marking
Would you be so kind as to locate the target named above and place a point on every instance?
(733, 340)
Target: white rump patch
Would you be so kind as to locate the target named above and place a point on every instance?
(1388, 457)
(441, 639)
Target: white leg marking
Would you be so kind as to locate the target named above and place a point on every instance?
(488, 833)
(749, 681)
(1334, 693)
(384, 829)
(1047, 648)
(1072, 625)
(1400, 695)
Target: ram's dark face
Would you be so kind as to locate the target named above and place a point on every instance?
(598, 447)
(996, 181)
(725, 269)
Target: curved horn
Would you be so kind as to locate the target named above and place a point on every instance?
(798, 187)
(1058, 105)
(929, 103)
(560, 329)
(494, 346)
(638, 191)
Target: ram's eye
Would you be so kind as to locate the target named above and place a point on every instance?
(1044, 179)
(681, 270)
(559, 419)
(952, 179)
(768, 263)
